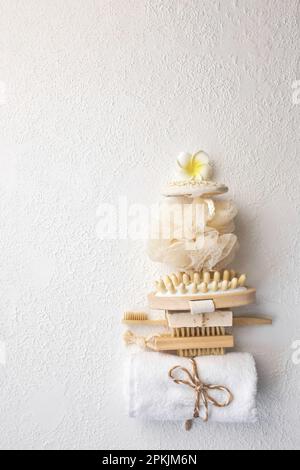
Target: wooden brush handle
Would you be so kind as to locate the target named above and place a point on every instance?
(251, 321)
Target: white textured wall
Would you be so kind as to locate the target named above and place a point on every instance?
(100, 97)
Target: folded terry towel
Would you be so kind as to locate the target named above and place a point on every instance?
(152, 395)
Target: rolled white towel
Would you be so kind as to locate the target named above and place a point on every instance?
(153, 395)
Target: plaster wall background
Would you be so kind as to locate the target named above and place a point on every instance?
(97, 99)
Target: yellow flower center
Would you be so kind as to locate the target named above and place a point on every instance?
(193, 168)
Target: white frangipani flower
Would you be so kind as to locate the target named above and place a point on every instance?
(195, 166)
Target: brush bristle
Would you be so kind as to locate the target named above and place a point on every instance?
(200, 332)
(204, 282)
(135, 316)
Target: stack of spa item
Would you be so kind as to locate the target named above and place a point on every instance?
(194, 233)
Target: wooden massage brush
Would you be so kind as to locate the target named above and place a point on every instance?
(196, 335)
(201, 333)
(185, 346)
(227, 289)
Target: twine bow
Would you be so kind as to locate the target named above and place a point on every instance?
(203, 397)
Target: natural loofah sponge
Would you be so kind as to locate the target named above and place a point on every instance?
(195, 234)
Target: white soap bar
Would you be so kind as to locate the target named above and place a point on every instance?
(203, 320)
(202, 306)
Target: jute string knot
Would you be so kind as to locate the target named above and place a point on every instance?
(131, 338)
(202, 392)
